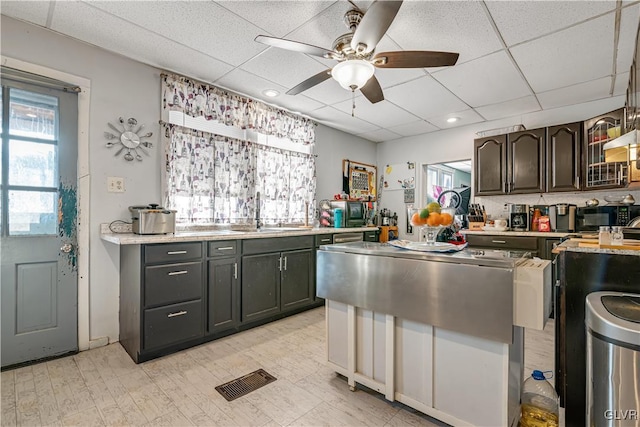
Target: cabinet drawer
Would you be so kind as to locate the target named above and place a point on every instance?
(505, 242)
(222, 248)
(323, 239)
(164, 284)
(172, 252)
(171, 324)
(276, 244)
(372, 236)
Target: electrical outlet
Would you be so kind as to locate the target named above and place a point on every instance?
(115, 184)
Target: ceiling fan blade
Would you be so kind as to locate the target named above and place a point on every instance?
(295, 46)
(414, 59)
(374, 24)
(372, 90)
(310, 82)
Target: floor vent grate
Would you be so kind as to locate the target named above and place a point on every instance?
(245, 385)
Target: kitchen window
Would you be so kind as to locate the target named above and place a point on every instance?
(213, 179)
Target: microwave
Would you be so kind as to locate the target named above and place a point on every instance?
(352, 212)
(592, 217)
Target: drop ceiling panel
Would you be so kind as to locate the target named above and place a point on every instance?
(30, 11)
(328, 92)
(415, 128)
(99, 28)
(424, 97)
(487, 80)
(343, 121)
(323, 29)
(450, 26)
(465, 117)
(576, 94)
(568, 57)
(621, 84)
(383, 113)
(277, 18)
(380, 135)
(283, 67)
(214, 30)
(629, 21)
(519, 21)
(514, 107)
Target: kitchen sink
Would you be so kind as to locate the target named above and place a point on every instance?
(280, 229)
(207, 233)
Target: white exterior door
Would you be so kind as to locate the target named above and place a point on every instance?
(38, 222)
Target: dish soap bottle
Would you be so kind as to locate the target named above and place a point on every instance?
(540, 402)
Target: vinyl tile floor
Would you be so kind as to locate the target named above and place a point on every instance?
(104, 386)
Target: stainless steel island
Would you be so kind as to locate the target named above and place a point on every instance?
(442, 333)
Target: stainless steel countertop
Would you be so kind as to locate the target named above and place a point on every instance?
(474, 256)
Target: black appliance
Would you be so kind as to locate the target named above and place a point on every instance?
(519, 217)
(353, 212)
(580, 274)
(565, 219)
(589, 218)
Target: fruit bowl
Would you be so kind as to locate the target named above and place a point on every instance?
(431, 223)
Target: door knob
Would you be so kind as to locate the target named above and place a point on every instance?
(66, 248)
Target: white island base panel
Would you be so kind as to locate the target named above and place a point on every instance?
(459, 379)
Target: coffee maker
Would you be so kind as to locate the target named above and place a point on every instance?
(565, 217)
(519, 217)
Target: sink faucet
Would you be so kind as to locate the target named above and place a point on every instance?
(258, 222)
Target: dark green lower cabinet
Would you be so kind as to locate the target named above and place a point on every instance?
(260, 286)
(223, 295)
(296, 286)
(276, 282)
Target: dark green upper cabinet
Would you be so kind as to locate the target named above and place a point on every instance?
(489, 159)
(563, 157)
(525, 164)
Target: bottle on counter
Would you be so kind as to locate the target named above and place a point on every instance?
(604, 235)
(536, 219)
(540, 402)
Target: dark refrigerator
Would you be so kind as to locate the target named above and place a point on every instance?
(581, 273)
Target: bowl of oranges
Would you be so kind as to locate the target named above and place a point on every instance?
(431, 219)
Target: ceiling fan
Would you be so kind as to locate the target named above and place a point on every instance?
(355, 52)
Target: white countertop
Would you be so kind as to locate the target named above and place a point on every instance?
(202, 235)
(517, 233)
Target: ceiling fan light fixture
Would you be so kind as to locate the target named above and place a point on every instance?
(352, 74)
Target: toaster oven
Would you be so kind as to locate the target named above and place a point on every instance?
(152, 219)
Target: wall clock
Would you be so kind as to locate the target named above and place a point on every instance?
(128, 136)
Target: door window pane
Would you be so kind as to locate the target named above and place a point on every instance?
(32, 164)
(32, 212)
(32, 114)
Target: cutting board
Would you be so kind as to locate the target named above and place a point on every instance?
(633, 245)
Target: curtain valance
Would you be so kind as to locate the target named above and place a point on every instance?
(198, 99)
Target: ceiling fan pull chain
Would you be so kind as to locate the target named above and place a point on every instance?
(353, 100)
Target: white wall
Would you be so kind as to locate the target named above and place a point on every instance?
(457, 144)
(332, 147)
(123, 87)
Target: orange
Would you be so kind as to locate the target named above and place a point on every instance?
(446, 219)
(415, 219)
(434, 219)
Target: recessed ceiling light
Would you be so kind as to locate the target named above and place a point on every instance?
(270, 93)
(452, 119)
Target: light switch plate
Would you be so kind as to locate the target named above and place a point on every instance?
(115, 184)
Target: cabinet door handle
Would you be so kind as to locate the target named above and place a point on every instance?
(226, 248)
(235, 270)
(499, 241)
(280, 264)
(177, 273)
(179, 313)
(285, 263)
(176, 252)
